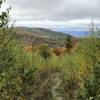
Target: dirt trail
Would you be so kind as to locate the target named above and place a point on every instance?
(56, 80)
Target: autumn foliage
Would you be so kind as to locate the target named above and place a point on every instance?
(58, 51)
(28, 48)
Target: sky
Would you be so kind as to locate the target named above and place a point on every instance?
(54, 14)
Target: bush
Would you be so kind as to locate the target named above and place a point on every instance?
(44, 51)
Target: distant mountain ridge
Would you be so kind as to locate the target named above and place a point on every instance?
(76, 33)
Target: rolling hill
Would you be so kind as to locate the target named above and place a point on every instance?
(39, 32)
(38, 36)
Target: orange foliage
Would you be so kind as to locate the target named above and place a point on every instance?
(58, 51)
(28, 48)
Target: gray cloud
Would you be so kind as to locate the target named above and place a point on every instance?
(57, 11)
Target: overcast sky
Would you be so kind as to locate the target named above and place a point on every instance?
(54, 13)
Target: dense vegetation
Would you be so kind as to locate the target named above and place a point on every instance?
(42, 74)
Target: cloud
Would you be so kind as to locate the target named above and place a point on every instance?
(54, 13)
